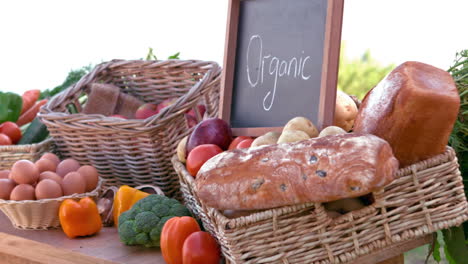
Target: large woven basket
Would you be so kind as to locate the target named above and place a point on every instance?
(39, 214)
(134, 152)
(13, 153)
(425, 197)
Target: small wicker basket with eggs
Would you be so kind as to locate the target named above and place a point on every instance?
(31, 192)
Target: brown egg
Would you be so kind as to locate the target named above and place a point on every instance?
(45, 165)
(24, 171)
(50, 175)
(52, 157)
(72, 183)
(47, 189)
(6, 186)
(4, 174)
(22, 192)
(67, 166)
(90, 175)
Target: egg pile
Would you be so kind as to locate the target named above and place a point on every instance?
(46, 178)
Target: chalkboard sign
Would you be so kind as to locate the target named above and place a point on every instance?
(281, 61)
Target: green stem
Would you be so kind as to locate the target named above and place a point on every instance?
(456, 65)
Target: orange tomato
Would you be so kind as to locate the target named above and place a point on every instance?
(199, 155)
(246, 143)
(173, 236)
(236, 141)
(200, 248)
(11, 130)
(4, 140)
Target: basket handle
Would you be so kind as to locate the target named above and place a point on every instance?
(188, 98)
(74, 90)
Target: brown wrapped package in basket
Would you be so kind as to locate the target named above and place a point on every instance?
(425, 197)
(134, 152)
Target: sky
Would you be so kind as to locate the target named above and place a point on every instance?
(41, 41)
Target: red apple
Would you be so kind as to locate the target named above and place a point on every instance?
(191, 120)
(246, 143)
(165, 103)
(201, 110)
(145, 111)
(210, 131)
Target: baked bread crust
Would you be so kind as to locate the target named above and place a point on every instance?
(414, 108)
(314, 170)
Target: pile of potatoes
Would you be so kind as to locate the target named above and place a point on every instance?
(297, 129)
(301, 128)
(48, 177)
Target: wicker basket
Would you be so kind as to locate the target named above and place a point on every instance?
(13, 153)
(39, 214)
(134, 152)
(425, 197)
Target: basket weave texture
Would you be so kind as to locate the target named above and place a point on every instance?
(425, 197)
(134, 152)
(39, 214)
(10, 154)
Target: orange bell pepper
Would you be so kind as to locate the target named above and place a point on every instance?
(173, 236)
(124, 199)
(79, 218)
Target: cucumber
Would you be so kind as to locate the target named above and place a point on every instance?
(35, 133)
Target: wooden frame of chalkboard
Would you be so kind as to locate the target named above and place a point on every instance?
(326, 86)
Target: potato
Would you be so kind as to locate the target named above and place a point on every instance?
(238, 213)
(344, 205)
(181, 150)
(331, 130)
(292, 136)
(269, 138)
(302, 124)
(345, 111)
(333, 214)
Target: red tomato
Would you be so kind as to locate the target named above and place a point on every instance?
(173, 236)
(246, 143)
(200, 248)
(4, 140)
(11, 130)
(236, 141)
(199, 155)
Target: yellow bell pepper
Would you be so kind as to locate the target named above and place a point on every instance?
(124, 199)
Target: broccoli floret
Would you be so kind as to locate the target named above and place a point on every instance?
(143, 223)
(179, 209)
(161, 209)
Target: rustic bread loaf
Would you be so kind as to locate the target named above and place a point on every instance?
(313, 170)
(414, 109)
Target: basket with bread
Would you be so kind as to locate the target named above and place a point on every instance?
(331, 196)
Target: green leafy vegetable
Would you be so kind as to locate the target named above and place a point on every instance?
(455, 238)
(152, 56)
(175, 56)
(72, 77)
(10, 107)
(436, 250)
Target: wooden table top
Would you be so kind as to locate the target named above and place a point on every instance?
(21, 246)
(53, 247)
